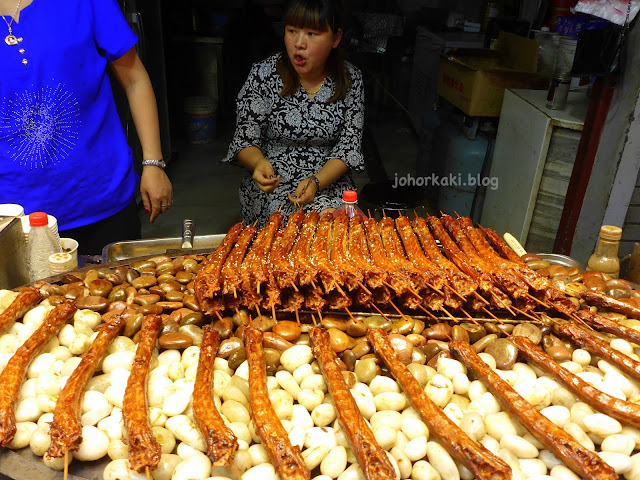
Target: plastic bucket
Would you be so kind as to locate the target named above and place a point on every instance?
(200, 119)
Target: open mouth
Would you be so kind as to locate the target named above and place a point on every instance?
(299, 60)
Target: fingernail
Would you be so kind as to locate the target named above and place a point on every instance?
(146, 210)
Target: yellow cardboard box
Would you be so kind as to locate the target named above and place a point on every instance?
(474, 80)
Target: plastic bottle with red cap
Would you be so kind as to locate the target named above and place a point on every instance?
(41, 243)
(350, 204)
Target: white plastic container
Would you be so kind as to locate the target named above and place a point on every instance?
(41, 244)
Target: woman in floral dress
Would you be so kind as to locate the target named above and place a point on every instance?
(300, 116)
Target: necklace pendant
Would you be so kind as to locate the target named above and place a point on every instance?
(11, 39)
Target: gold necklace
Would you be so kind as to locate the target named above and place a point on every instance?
(11, 39)
(316, 90)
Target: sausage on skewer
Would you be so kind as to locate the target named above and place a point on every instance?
(582, 461)
(144, 449)
(13, 374)
(221, 442)
(503, 279)
(26, 299)
(375, 277)
(501, 246)
(208, 282)
(536, 281)
(285, 457)
(626, 412)
(371, 457)
(603, 324)
(593, 345)
(480, 461)
(599, 299)
(253, 268)
(65, 429)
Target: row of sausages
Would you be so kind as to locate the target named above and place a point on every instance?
(318, 261)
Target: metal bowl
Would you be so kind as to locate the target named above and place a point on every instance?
(564, 260)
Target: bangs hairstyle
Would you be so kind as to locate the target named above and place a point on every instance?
(320, 15)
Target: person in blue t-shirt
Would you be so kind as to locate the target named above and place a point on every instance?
(63, 149)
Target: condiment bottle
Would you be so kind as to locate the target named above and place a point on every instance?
(605, 258)
(350, 204)
(40, 245)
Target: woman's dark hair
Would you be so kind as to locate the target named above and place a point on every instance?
(319, 15)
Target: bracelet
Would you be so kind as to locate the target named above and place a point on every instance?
(155, 163)
(315, 179)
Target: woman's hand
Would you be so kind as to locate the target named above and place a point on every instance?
(265, 176)
(305, 192)
(156, 190)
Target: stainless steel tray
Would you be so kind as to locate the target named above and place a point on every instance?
(558, 259)
(153, 246)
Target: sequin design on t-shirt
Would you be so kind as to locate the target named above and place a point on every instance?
(40, 127)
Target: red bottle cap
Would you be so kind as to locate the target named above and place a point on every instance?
(350, 196)
(38, 219)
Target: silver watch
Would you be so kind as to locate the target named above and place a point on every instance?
(155, 163)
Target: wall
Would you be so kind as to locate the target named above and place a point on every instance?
(615, 170)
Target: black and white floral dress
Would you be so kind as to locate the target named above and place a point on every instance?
(298, 135)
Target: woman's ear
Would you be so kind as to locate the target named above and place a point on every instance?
(337, 37)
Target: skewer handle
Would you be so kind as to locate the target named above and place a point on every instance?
(514, 244)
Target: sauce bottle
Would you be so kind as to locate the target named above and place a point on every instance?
(605, 258)
(350, 204)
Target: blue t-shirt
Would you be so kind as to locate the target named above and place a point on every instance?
(62, 146)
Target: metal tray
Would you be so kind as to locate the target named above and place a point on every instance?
(565, 261)
(153, 246)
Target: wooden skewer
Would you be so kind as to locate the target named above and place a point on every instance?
(508, 308)
(337, 286)
(397, 309)
(427, 312)
(239, 316)
(433, 288)
(380, 312)
(235, 470)
(465, 313)
(544, 304)
(235, 294)
(148, 472)
(258, 288)
(273, 312)
(361, 285)
(522, 312)
(415, 294)
(488, 312)
(313, 284)
(313, 319)
(297, 317)
(458, 294)
(473, 320)
(258, 310)
(500, 302)
(320, 316)
(293, 285)
(65, 475)
(384, 282)
(349, 313)
(481, 298)
(447, 313)
(218, 315)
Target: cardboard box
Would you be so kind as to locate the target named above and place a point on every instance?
(474, 81)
